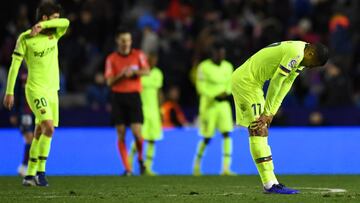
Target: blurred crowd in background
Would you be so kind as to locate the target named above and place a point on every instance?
(182, 32)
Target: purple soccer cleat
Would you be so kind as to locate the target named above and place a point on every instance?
(280, 189)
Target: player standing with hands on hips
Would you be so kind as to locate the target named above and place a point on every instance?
(280, 63)
(123, 70)
(38, 46)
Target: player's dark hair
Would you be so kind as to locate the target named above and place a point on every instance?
(47, 8)
(122, 30)
(218, 44)
(321, 53)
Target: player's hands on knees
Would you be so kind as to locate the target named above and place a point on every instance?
(264, 120)
(8, 101)
(36, 29)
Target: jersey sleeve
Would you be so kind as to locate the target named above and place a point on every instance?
(17, 58)
(272, 93)
(159, 79)
(61, 25)
(290, 60)
(109, 68)
(286, 86)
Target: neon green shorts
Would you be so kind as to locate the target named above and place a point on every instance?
(249, 99)
(217, 116)
(44, 104)
(152, 129)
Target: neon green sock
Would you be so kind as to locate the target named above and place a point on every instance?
(33, 158)
(150, 152)
(261, 153)
(227, 151)
(200, 150)
(44, 150)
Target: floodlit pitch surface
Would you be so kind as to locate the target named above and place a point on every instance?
(180, 189)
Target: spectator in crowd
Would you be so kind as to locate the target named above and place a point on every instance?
(172, 114)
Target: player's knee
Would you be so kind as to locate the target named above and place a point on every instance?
(261, 132)
(28, 136)
(49, 131)
(47, 128)
(120, 131)
(226, 134)
(207, 140)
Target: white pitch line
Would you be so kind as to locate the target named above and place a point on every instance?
(323, 190)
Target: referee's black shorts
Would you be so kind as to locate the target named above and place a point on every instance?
(126, 108)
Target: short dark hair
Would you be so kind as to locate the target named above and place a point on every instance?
(122, 30)
(218, 44)
(321, 53)
(47, 8)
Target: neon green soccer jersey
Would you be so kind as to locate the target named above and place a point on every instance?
(151, 130)
(213, 80)
(41, 56)
(280, 63)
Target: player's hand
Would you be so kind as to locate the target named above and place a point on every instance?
(8, 101)
(264, 121)
(13, 120)
(129, 73)
(36, 29)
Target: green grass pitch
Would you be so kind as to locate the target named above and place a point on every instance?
(180, 189)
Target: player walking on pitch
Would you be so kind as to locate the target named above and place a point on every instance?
(152, 129)
(38, 46)
(280, 63)
(214, 86)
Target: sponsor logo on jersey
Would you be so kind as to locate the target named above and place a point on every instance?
(42, 111)
(44, 52)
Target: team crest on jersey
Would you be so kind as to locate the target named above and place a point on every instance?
(292, 63)
(242, 107)
(42, 111)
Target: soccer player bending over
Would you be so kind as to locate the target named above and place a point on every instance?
(280, 63)
(38, 46)
(213, 84)
(123, 69)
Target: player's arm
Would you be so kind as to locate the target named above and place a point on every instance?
(226, 95)
(273, 91)
(278, 88)
(61, 25)
(158, 80)
(17, 58)
(202, 79)
(111, 77)
(286, 86)
(112, 80)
